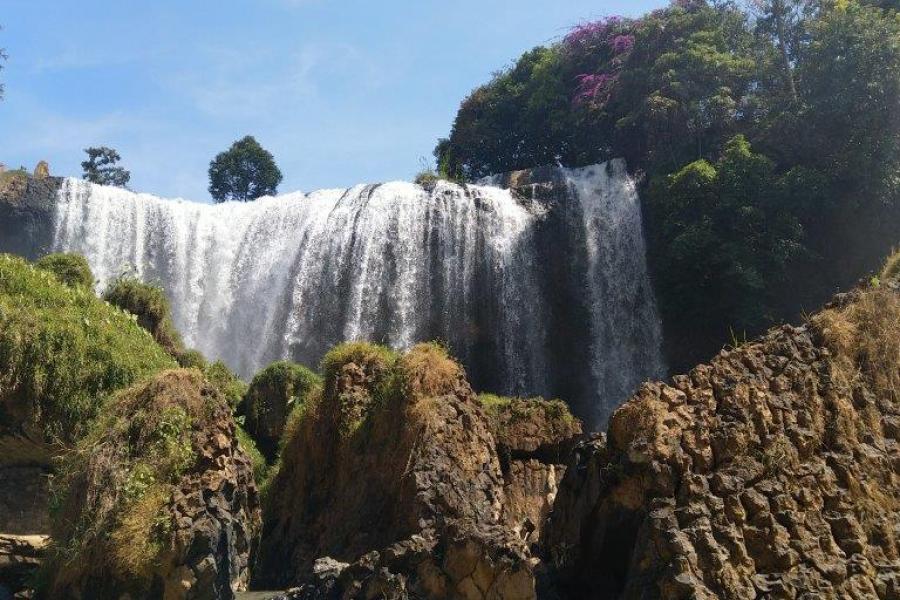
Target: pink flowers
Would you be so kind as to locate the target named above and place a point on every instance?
(589, 34)
(593, 86)
(622, 43)
(609, 42)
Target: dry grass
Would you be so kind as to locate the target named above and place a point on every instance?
(891, 267)
(428, 371)
(138, 539)
(864, 337)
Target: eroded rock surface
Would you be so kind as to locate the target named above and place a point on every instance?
(391, 486)
(534, 440)
(771, 472)
(158, 501)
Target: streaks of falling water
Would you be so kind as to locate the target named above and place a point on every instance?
(291, 276)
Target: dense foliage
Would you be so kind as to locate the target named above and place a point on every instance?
(63, 351)
(245, 171)
(101, 167)
(71, 269)
(766, 143)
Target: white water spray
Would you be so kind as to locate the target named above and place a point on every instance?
(291, 276)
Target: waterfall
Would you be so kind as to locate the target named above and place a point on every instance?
(291, 276)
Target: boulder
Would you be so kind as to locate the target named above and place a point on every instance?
(534, 439)
(391, 479)
(773, 471)
(157, 501)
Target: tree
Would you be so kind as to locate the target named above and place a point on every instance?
(100, 167)
(244, 172)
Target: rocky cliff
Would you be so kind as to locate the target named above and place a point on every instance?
(772, 472)
(27, 206)
(392, 484)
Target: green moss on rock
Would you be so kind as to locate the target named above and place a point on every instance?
(151, 307)
(71, 269)
(273, 395)
(63, 351)
(230, 385)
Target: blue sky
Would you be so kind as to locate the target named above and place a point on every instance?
(340, 91)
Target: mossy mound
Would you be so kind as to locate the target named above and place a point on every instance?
(71, 269)
(273, 394)
(157, 498)
(63, 351)
(230, 385)
(151, 307)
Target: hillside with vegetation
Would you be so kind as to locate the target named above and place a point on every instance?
(765, 138)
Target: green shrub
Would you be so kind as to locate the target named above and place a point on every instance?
(71, 269)
(63, 352)
(192, 359)
(260, 467)
(150, 305)
(427, 178)
(271, 397)
(230, 385)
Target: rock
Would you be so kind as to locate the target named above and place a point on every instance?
(407, 490)
(42, 170)
(766, 473)
(534, 440)
(23, 500)
(159, 501)
(27, 208)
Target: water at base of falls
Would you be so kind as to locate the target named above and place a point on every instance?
(473, 266)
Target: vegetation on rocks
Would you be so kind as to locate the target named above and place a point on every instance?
(158, 485)
(272, 396)
(71, 269)
(765, 143)
(63, 351)
(151, 307)
(782, 452)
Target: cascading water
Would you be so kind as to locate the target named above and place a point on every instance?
(291, 276)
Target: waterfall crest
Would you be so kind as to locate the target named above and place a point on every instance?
(291, 276)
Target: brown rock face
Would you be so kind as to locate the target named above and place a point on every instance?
(772, 472)
(394, 471)
(534, 440)
(158, 501)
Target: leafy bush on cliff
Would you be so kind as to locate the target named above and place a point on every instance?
(71, 269)
(63, 351)
(272, 396)
(151, 307)
(811, 86)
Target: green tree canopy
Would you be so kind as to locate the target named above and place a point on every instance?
(245, 171)
(101, 167)
(766, 140)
